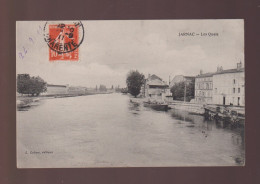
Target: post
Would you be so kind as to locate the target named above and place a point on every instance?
(184, 91)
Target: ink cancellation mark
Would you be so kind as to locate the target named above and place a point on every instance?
(64, 40)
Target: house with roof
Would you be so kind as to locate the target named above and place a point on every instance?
(229, 86)
(223, 87)
(155, 88)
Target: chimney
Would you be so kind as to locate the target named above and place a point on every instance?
(201, 72)
(239, 65)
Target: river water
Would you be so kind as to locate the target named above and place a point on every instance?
(107, 130)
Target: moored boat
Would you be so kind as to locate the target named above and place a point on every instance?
(156, 106)
(226, 114)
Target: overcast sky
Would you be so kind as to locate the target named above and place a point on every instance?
(112, 48)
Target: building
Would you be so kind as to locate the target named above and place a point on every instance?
(229, 86)
(77, 90)
(155, 88)
(223, 87)
(56, 89)
(181, 78)
(204, 88)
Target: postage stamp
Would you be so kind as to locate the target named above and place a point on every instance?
(64, 39)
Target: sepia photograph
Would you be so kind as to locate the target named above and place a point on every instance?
(130, 93)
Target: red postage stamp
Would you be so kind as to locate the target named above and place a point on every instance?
(64, 40)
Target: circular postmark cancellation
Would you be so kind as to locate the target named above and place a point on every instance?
(63, 37)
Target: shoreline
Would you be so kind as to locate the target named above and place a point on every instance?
(27, 101)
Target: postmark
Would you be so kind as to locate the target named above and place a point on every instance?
(63, 39)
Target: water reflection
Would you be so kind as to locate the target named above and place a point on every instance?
(206, 127)
(134, 108)
(181, 115)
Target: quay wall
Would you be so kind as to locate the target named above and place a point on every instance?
(190, 107)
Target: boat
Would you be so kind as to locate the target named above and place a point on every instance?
(225, 114)
(156, 106)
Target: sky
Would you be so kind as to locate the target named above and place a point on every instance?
(112, 48)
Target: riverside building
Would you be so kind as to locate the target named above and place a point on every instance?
(224, 87)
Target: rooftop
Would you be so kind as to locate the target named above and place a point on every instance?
(235, 70)
(205, 75)
(54, 85)
(154, 77)
(191, 77)
(230, 71)
(154, 80)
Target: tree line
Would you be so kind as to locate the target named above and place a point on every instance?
(30, 85)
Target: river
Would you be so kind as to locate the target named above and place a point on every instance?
(107, 130)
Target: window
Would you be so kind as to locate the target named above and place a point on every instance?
(234, 81)
(238, 90)
(234, 90)
(216, 90)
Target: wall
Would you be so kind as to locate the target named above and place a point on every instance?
(56, 90)
(77, 90)
(203, 90)
(227, 85)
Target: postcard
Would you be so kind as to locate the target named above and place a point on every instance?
(130, 93)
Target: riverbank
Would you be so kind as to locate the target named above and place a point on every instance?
(27, 101)
(187, 106)
(192, 108)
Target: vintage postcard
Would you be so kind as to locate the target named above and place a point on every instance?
(130, 93)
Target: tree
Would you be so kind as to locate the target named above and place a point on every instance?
(38, 85)
(23, 83)
(134, 82)
(102, 87)
(178, 90)
(30, 85)
(191, 89)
